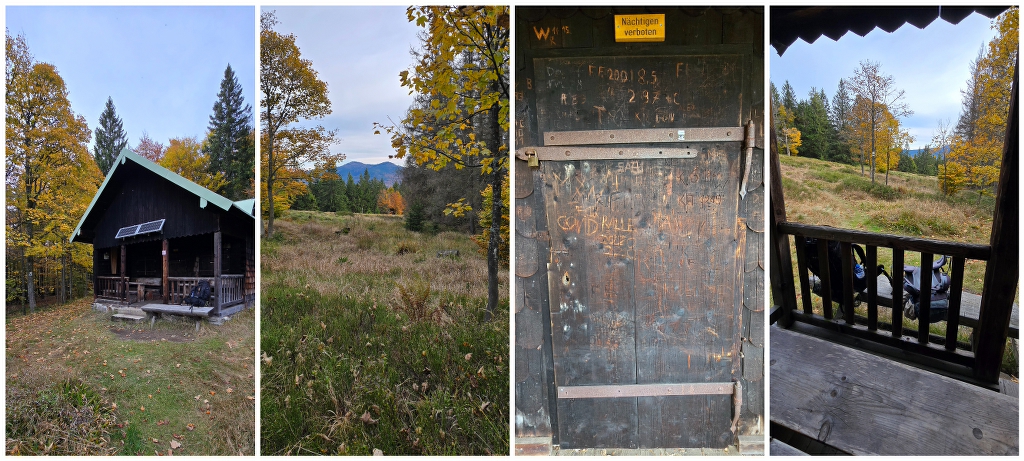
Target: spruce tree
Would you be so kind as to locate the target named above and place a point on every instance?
(110, 138)
(228, 142)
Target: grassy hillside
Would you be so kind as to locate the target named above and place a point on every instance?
(370, 341)
(833, 194)
(78, 384)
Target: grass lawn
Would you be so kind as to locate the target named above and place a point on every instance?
(834, 194)
(372, 342)
(79, 384)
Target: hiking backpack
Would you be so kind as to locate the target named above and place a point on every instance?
(200, 294)
(939, 305)
(835, 268)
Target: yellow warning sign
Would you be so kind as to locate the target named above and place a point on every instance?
(640, 28)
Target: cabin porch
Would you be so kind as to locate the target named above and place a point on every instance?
(849, 379)
(163, 272)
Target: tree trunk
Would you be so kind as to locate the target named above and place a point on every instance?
(269, 231)
(31, 291)
(873, 141)
(495, 241)
(63, 280)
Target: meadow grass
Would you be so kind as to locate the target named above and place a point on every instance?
(832, 194)
(370, 341)
(78, 384)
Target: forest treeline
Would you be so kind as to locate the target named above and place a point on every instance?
(330, 193)
(52, 176)
(861, 123)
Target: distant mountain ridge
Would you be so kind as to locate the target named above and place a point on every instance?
(384, 171)
(916, 152)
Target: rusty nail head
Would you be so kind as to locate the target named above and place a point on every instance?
(566, 153)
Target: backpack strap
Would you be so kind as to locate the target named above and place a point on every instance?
(859, 251)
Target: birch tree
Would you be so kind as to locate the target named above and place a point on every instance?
(881, 94)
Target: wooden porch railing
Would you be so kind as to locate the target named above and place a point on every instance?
(980, 362)
(921, 342)
(232, 289)
(109, 287)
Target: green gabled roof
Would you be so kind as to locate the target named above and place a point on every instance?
(248, 206)
(206, 196)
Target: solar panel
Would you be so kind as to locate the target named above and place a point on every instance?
(139, 229)
(152, 226)
(128, 231)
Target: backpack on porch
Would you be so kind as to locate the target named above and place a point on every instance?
(940, 292)
(200, 294)
(835, 269)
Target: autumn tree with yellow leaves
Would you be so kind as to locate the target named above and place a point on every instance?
(290, 92)
(976, 148)
(389, 201)
(789, 134)
(784, 119)
(186, 157)
(879, 95)
(463, 68)
(50, 177)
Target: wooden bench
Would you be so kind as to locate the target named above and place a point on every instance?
(864, 404)
(970, 306)
(177, 309)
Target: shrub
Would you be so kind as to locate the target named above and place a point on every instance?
(414, 218)
(407, 246)
(413, 298)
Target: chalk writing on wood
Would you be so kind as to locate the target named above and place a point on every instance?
(617, 92)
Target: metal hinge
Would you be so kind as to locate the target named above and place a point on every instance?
(749, 144)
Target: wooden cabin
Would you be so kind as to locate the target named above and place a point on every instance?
(639, 274)
(155, 235)
(853, 384)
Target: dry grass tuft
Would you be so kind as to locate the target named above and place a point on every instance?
(414, 298)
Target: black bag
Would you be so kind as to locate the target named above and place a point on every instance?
(200, 294)
(835, 268)
(939, 305)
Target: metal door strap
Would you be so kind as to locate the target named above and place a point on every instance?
(659, 390)
(602, 153)
(644, 390)
(643, 135)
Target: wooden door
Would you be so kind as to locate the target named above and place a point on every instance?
(644, 284)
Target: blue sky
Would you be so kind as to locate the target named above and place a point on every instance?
(161, 65)
(359, 52)
(930, 64)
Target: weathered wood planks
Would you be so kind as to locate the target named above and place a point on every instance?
(176, 309)
(865, 404)
(644, 290)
